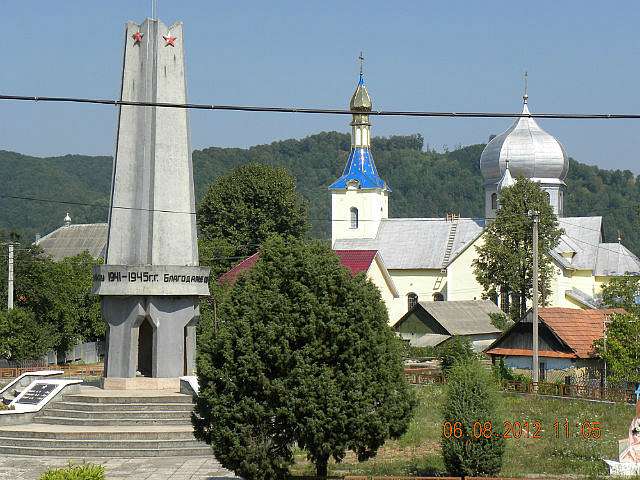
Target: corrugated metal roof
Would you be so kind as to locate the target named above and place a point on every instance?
(584, 235)
(427, 340)
(616, 259)
(71, 240)
(415, 243)
(582, 298)
(461, 317)
(464, 317)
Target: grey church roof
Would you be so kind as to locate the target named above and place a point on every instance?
(583, 235)
(415, 243)
(71, 240)
(616, 259)
(421, 243)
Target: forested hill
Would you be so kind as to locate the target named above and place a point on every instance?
(425, 184)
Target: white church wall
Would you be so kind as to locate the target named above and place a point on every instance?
(421, 282)
(377, 278)
(372, 205)
(461, 281)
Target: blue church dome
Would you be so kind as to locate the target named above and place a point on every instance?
(360, 170)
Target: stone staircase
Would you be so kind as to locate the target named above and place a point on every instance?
(98, 423)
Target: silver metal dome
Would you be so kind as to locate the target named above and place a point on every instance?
(529, 150)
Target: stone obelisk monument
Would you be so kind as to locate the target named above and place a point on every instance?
(151, 281)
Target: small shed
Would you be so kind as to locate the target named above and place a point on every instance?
(432, 323)
(565, 343)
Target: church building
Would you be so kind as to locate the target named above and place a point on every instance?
(430, 259)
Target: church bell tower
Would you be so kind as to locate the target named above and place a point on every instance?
(359, 198)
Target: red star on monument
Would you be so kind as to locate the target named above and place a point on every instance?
(170, 40)
(137, 37)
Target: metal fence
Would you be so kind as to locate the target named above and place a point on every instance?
(70, 371)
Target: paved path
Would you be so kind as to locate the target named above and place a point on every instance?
(13, 467)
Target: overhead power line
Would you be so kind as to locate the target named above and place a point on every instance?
(325, 111)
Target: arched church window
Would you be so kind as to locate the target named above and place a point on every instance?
(494, 201)
(354, 217)
(438, 297)
(548, 196)
(412, 300)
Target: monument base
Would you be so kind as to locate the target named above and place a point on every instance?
(141, 383)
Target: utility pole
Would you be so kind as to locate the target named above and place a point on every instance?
(10, 279)
(534, 311)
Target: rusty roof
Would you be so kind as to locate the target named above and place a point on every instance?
(577, 328)
(525, 352)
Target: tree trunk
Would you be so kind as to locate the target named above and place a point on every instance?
(321, 466)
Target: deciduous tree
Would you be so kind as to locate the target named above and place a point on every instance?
(505, 259)
(243, 208)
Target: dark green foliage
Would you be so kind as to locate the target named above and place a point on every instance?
(76, 472)
(302, 355)
(425, 183)
(74, 178)
(22, 337)
(504, 373)
(622, 292)
(621, 348)
(59, 296)
(505, 260)
(472, 396)
(501, 321)
(243, 208)
(418, 353)
(454, 350)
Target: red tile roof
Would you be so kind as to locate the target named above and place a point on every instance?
(247, 264)
(355, 260)
(577, 328)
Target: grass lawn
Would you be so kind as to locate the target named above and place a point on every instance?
(418, 451)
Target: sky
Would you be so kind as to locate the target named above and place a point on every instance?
(582, 57)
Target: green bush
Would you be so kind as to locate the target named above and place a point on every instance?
(6, 407)
(472, 407)
(75, 472)
(417, 353)
(454, 350)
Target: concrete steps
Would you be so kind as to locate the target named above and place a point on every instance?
(97, 423)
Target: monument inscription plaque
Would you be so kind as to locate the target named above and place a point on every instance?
(36, 393)
(150, 280)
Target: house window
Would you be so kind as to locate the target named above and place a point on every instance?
(494, 201)
(354, 217)
(438, 297)
(412, 300)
